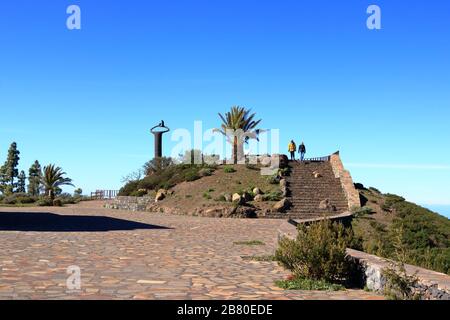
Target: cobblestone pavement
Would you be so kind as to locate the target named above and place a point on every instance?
(140, 256)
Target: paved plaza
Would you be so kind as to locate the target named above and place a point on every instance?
(138, 255)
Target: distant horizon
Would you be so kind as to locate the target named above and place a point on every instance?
(443, 210)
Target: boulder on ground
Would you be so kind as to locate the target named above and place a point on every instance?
(241, 212)
(215, 212)
(257, 191)
(246, 196)
(228, 197)
(160, 195)
(282, 205)
(326, 205)
(237, 198)
(258, 198)
(316, 174)
(279, 161)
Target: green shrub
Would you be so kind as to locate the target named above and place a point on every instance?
(318, 252)
(359, 186)
(400, 285)
(273, 179)
(44, 202)
(284, 171)
(206, 195)
(205, 172)
(249, 243)
(273, 196)
(390, 200)
(67, 198)
(308, 284)
(191, 176)
(374, 190)
(363, 211)
(57, 203)
(139, 193)
(251, 166)
(157, 164)
(128, 188)
(18, 198)
(229, 169)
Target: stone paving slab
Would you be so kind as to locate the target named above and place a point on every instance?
(174, 257)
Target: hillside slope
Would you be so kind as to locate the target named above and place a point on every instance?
(384, 218)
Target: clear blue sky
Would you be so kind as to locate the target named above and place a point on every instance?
(85, 99)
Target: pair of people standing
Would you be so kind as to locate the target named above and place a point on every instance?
(292, 148)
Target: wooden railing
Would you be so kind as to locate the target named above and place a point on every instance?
(104, 194)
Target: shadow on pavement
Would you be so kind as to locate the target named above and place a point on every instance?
(50, 222)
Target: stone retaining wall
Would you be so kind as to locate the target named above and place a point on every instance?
(432, 285)
(130, 203)
(350, 192)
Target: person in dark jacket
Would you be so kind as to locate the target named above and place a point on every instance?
(302, 151)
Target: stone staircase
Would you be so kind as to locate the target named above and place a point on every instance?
(306, 191)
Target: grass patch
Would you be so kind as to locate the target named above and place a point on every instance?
(308, 284)
(206, 195)
(264, 258)
(229, 169)
(249, 243)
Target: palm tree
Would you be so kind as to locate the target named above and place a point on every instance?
(239, 119)
(53, 178)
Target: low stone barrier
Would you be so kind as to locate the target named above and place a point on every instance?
(432, 285)
(130, 203)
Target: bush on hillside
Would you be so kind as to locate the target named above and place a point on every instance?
(318, 252)
(273, 196)
(390, 200)
(18, 198)
(44, 202)
(157, 165)
(426, 235)
(167, 178)
(229, 169)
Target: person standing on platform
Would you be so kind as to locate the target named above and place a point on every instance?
(302, 151)
(291, 148)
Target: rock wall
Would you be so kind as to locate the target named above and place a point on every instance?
(432, 285)
(130, 203)
(351, 193)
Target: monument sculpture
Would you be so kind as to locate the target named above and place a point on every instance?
(158, 131)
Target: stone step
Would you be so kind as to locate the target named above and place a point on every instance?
(306, 192)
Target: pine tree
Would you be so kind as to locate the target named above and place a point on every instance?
(10, 171)
(3, 181)
(34, 179)
(21, 181)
